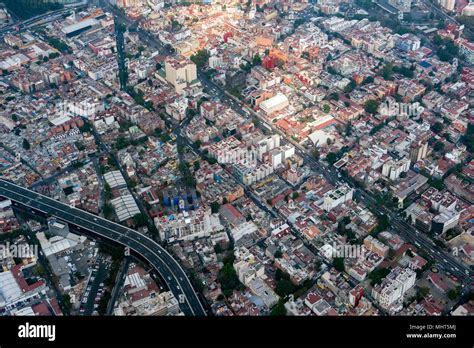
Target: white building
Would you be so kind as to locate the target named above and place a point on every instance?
(215, 62)
(189, 225)
(445, 221)
(407, 42)
(253, 174)
(231, 150)
(338, 24)
(392, 169)
(288, 151)
(274, 104)
(250, 272)
(337, 196)
(267, 144)
(87, 108)
(58, 244)
(177, 108)
(6, 209)
(76, 27)
(467, 49)
(394, 286)
(156, 5)
(262, 290)
(276, 157)
(242, 230)
(246, 266)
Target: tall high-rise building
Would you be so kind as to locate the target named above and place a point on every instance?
(180, 72)
(447, 4)
(393, 169)
(394, 286)
(418, 151)
(468, 10)
(127, 3)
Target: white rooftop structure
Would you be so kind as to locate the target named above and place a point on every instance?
(134, 280)
(5, 204)
(13, 61)
(244, 229)
(125, 207)
(57, 121)
(115, 179)
(27, 311)
(276, 103)
(58, 244)
(319, 137)
(79, 25)
(9, 289)
(262, 290)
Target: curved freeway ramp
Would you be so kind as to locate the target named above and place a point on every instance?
(151, 251)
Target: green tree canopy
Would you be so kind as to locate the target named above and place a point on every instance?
(279, 309)
(338, 263)
(371, 106)
(26, 144)
(200, 58)
(140, 220)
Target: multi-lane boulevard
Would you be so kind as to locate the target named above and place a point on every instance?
(444, 259)
(42, 18)
(169, 269)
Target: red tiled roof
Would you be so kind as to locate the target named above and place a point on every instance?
(21, 281)
(231, 209)
(312, 298)
(438, 282)
(55, 305)
(41, 309)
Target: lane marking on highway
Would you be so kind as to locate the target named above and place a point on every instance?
(54, 205)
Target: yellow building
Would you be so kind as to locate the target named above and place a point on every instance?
(180, 72)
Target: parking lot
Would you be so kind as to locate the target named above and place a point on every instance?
(95, 288)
